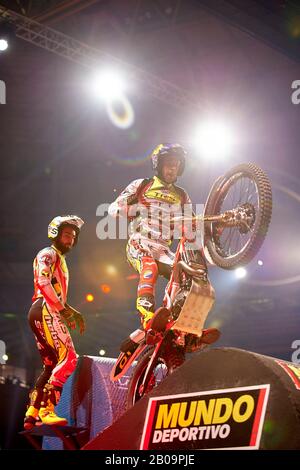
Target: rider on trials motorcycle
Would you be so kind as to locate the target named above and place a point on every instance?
(152, 205)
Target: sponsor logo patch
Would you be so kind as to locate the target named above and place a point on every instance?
(148, 275)
(54, 335)
(46, 259)
(220, 419)
(144, 303)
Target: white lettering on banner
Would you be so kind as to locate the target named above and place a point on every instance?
(192, 434)
(295, 97)
(2, 92)
(296, 354)
(2, 352)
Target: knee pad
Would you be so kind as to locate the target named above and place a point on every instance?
(148, 277)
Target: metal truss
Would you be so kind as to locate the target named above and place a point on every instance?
(92, 58)
(261, 19)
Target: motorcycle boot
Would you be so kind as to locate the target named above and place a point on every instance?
(145, 305)
(210, 335)
(51, 397)
(32, 413)
(195, 343)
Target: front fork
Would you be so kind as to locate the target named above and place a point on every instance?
(150, 366)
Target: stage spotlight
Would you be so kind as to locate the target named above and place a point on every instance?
(111, 270)
(260, 262)
(89, 298)
(105, 288)
(214, 140)
(102, 352)
(5, 357)
(240, 273)
(108, 85)
(7, 35)
(3, 44)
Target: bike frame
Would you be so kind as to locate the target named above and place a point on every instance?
(124, 361)
(170, 293)
(173, 284)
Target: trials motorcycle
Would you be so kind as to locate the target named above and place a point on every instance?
(236, 218)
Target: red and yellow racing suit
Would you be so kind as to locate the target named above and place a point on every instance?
(53, 339)
(150, 206)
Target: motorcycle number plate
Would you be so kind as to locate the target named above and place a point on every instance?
(197, 305)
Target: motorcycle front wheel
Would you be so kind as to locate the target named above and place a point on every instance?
(247, 188)
(163, 366)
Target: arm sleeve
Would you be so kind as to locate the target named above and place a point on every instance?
(44, 266)
(127, 197)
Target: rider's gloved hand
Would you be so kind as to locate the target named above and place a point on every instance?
(67, 316)
(73, 318)
(80, 322)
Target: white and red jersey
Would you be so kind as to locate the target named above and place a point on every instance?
(151, 205)
(51, 278)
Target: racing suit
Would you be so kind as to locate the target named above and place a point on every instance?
(151, 206)
(52, 336)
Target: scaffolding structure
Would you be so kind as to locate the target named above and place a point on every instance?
(71, 49)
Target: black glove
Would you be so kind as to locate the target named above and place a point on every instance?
(73, 318)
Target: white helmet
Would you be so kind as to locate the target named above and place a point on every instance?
(56, 224)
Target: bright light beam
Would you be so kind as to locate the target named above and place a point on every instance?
(240, 273)
(214, 140)
(108, 85)
(3, 44)
(111, 270)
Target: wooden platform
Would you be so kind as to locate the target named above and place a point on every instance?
(70, 435)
